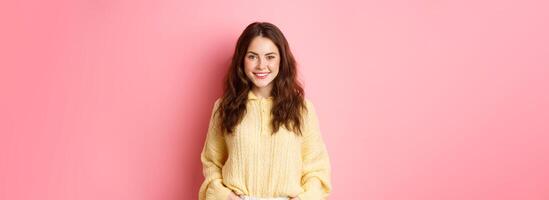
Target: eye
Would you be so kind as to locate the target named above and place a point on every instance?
(271, 57)
(251, 57)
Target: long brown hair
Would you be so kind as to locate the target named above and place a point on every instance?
(287, 92)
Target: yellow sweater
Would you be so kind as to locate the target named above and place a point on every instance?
(253, 162)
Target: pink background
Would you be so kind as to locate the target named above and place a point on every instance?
(417, 99)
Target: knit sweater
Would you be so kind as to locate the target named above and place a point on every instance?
(253, 162)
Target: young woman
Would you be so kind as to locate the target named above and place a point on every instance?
(263, 140)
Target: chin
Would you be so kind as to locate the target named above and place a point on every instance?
(261, 85)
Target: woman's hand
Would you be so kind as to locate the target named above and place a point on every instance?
(233, 196)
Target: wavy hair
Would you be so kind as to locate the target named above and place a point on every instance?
(288, 94)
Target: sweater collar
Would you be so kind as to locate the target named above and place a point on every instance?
(251, 95)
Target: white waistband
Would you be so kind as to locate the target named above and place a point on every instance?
(259, 198)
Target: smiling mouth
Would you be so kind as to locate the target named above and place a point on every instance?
(261, 75)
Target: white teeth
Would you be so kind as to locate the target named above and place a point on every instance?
(261, 74)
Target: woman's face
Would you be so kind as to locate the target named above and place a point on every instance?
(261, 62)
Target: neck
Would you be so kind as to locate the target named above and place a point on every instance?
(263, 92)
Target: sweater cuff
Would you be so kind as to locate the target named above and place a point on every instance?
(217, 191)
(313, 191)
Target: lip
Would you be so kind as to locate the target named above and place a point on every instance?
(261, 75)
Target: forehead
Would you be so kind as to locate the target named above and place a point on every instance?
(262, 45)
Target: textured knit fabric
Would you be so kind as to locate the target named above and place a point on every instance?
(252, 162)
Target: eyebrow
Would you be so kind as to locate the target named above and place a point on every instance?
(258, 54)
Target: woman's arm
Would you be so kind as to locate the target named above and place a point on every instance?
(213, 157)
(316, 164)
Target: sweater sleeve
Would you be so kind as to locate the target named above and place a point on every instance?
(213, 157)
(315, 180)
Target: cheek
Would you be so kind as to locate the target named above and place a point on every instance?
(248, 66)
(275, 66)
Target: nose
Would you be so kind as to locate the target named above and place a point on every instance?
(262, 64)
